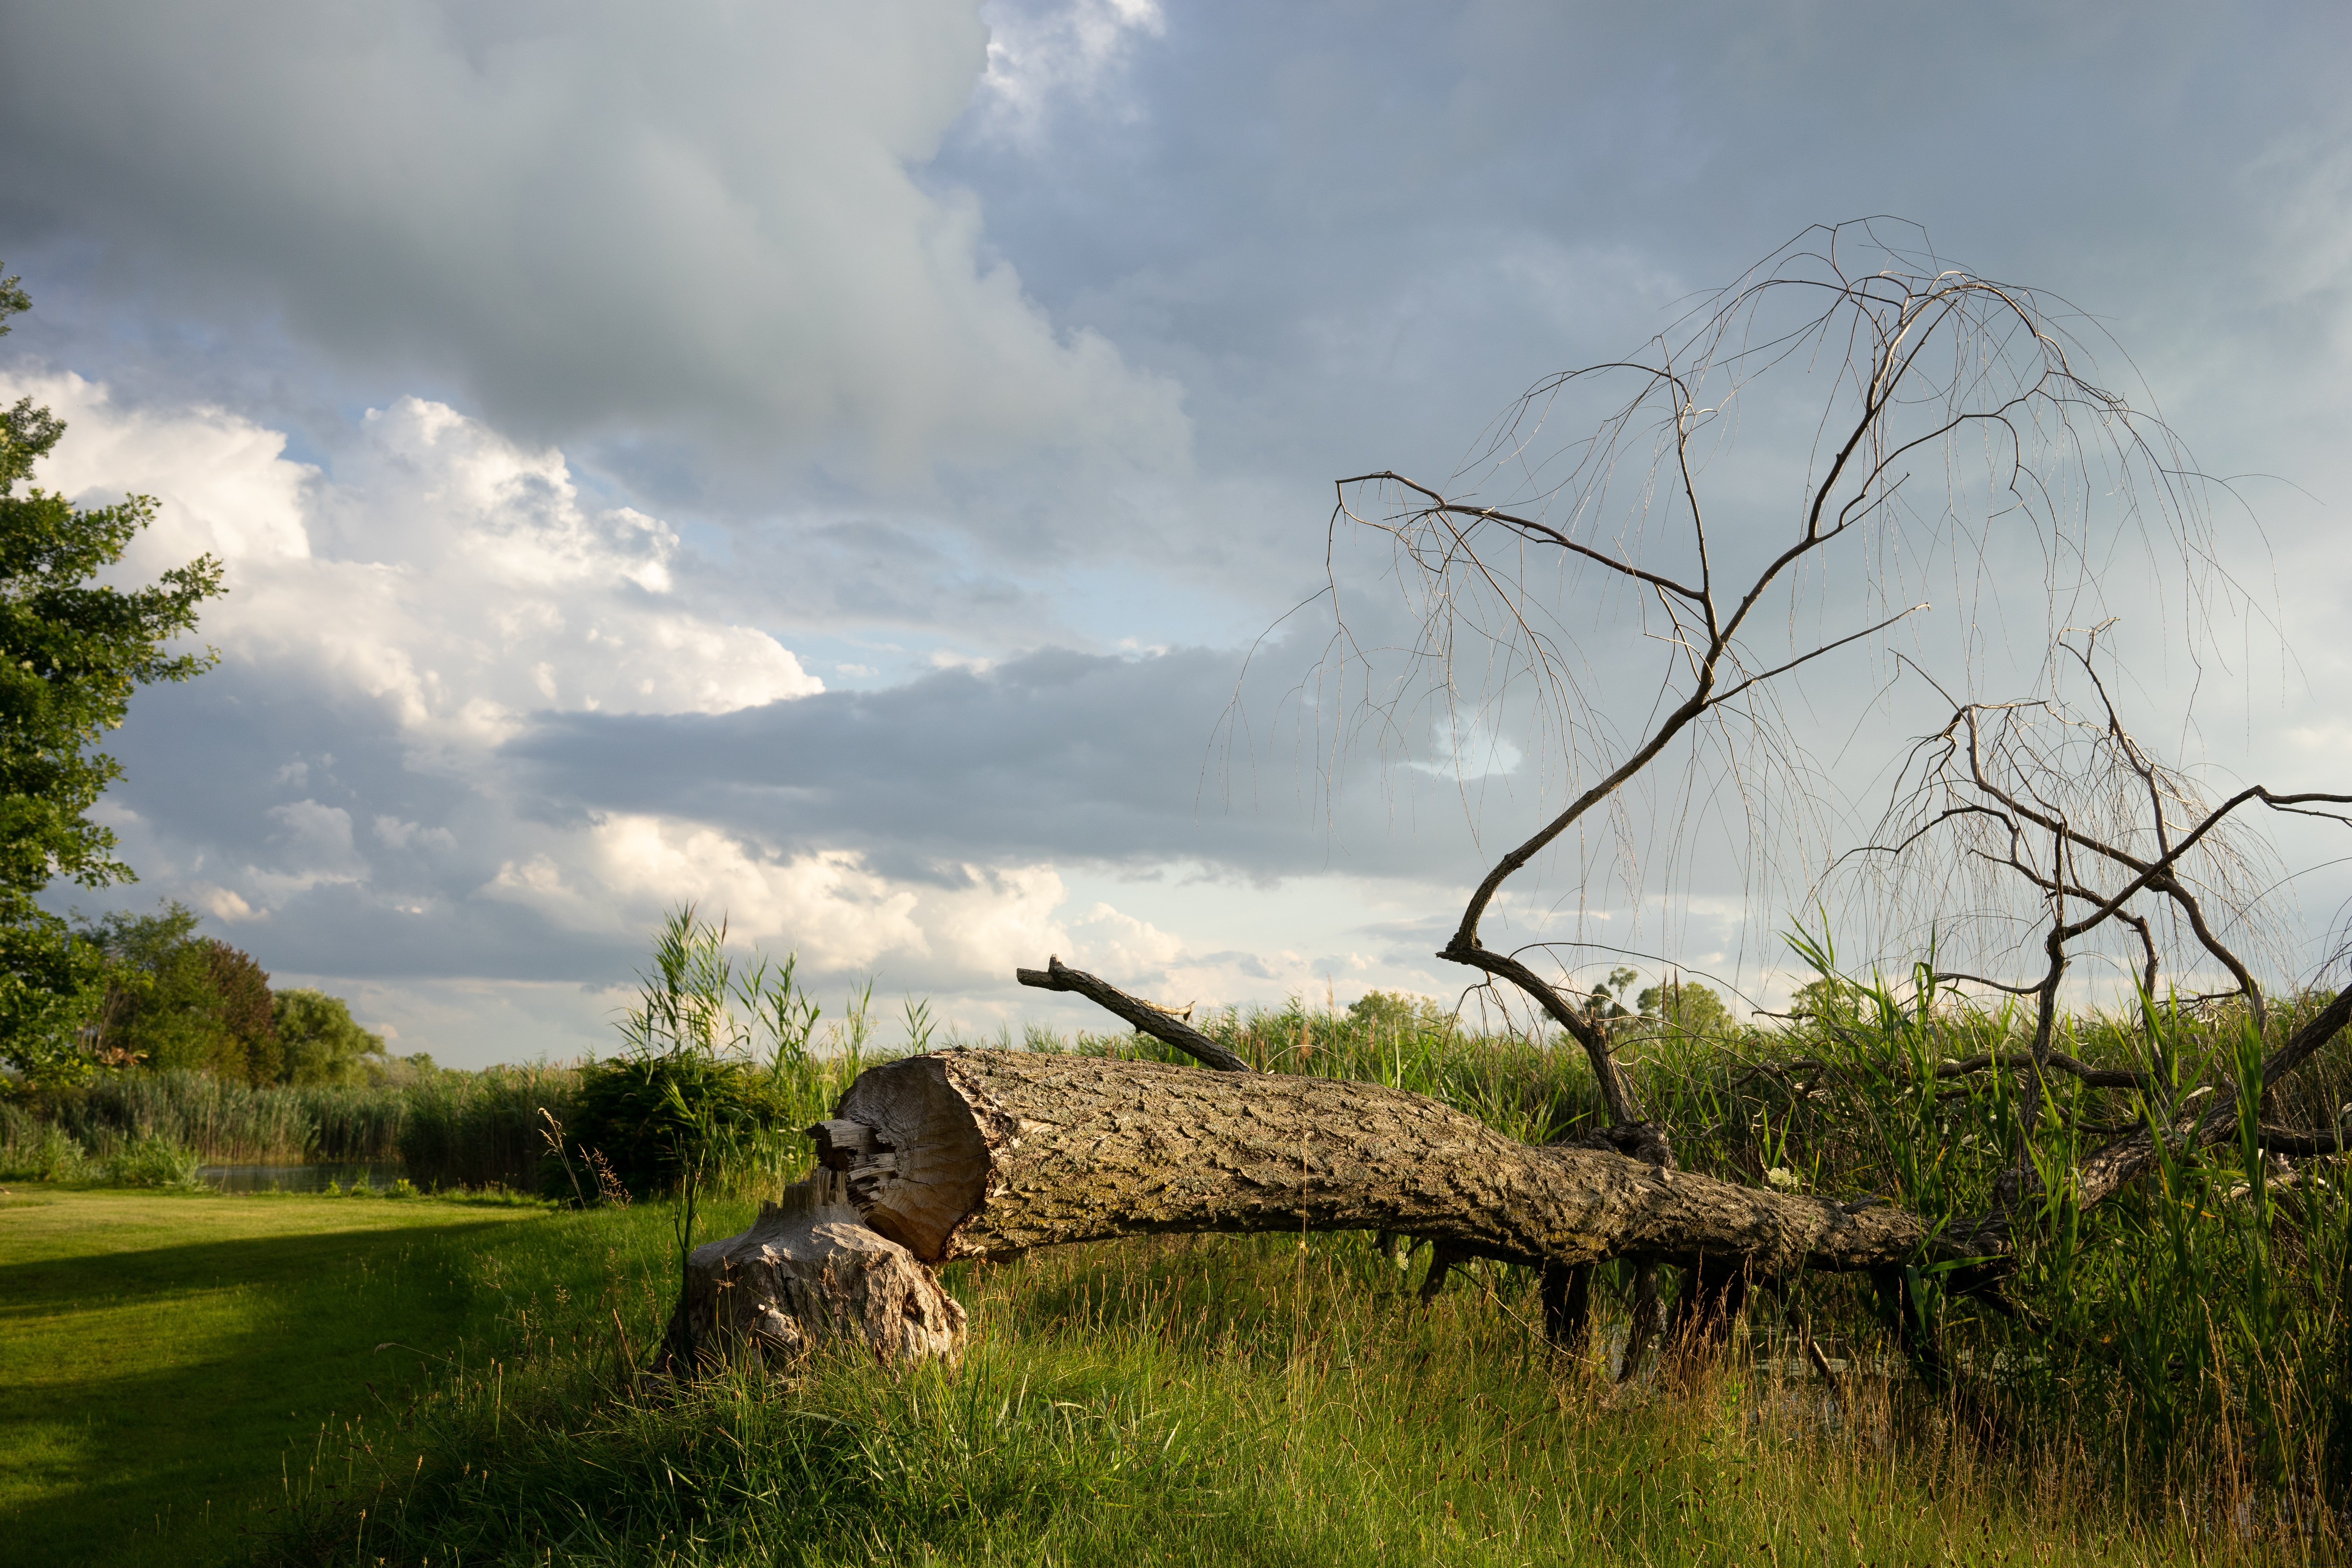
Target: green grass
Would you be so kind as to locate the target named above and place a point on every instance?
(159, 1352)
(186, 1378)
(2176, 1387)
(1195, 1400)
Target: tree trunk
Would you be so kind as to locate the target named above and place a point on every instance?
(808, 1271)
(988, 1153)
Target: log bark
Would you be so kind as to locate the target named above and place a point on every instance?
(985, 1155)
(809, 1272)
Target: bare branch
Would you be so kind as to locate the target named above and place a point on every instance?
(1147, 1018)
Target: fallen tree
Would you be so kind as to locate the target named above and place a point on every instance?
(2082, 847)
(985, 1155)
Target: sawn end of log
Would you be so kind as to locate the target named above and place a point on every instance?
(984, 1154)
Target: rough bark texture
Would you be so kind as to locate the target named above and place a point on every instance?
(809, 1272)
(988, 1153)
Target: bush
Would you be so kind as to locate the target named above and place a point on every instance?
(35, 1151)
(641, 1114)
(152, 1162)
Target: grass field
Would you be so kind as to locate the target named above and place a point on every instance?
(193, 1378)
(161, 1355)
(1204, 1400)
(186, 1377)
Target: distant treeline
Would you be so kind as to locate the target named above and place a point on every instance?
(175, 1001)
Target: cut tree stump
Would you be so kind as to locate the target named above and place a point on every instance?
(809, 1272)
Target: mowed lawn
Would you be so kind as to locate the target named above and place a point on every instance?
(166, 1358)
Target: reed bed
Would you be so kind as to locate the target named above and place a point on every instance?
(451, 1130)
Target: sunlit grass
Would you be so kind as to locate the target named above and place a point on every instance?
(1240, 1400)
(160, 1353)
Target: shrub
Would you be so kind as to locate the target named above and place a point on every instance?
(644, 1114)
(35, 1150)
(152, 1162)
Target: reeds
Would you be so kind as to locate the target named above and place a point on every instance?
(453, 1130)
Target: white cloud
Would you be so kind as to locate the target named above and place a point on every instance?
(1466, 747)
(830, 907)
(451, 575)
(976, 664)
(1073, 50)
(454, 581)
(315, 835)
(222, 904)
(413, 835)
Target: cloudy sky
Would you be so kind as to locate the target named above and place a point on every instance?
(840, 464)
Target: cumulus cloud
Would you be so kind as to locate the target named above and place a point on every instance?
(701, 221)
(453, 576)
(472, 722)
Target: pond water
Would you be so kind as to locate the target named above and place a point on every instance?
(294, 1178)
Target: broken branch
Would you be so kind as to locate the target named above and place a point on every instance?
(1148, 1020)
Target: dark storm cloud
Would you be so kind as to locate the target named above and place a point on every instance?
(1056, 755)
(591, 218)
(1368, 226)
(252, 778)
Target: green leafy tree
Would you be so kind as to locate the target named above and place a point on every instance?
(1680, 1007)
(249, 1014)
(173, 999)
(1397, 1015)
(319, 1041)
(1606, 1006)
(71, 653)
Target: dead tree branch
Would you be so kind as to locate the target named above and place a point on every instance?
(1145, 1017)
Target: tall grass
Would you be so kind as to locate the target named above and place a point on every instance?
(470, 1129)
(224, 1120)
(2183, 1350)
(35, 1150)
(2187, 1342)
(483, 1129)
(1213, 1399)
(451, 1130)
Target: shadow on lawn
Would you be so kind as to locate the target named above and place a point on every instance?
(154, 1395)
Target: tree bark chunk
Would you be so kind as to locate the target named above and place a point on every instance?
(809, 1272)
(988, 1153)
